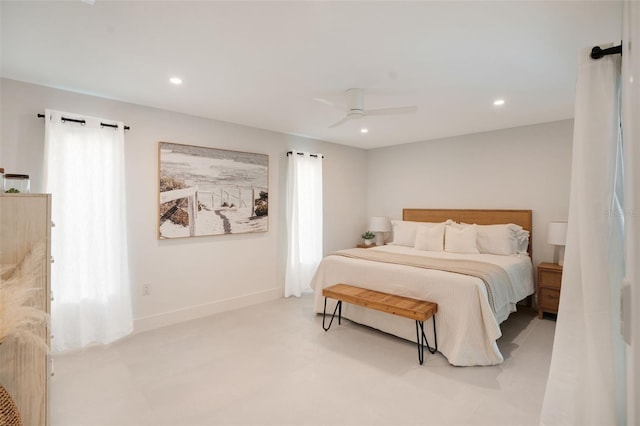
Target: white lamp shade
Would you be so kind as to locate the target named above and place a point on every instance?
(379, 224)
(557, 233)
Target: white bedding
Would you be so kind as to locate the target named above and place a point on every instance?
(466, 326)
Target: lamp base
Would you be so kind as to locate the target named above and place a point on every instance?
(379, 238)
(558, 255)
(561, 255)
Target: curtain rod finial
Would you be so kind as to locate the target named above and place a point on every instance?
(596, 52)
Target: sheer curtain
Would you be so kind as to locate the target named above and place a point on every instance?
(84, 172)
(304, 221)
(631, 133)
(586, 379)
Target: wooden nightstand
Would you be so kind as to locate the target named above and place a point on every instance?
(548, 289)
(366, 246)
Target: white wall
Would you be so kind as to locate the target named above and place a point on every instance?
(197, 276)
(520, 168)
(525, 168)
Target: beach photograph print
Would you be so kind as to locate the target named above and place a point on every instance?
(209, 191)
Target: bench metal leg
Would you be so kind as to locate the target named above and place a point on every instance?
(421, 339)
(324, 314)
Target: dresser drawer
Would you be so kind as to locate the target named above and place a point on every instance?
(548, 299)
(549, 278)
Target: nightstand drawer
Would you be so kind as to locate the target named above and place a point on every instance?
(549, 278)
(548, 299)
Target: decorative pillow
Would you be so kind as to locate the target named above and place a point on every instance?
(430, 236)
(498, 239)
(404, 232)
(460, 239)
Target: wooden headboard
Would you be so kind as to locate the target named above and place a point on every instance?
(481, 217)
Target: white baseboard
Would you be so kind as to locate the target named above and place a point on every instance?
(167, 318)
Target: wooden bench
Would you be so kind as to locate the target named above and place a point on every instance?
(406, 307)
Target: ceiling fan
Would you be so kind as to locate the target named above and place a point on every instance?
(355, 108)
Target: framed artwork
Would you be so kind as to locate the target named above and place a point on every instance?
(209, 191)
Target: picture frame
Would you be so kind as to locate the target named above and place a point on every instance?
(206, 191)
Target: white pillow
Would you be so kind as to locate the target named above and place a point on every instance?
(498, 239)
(460, 239)
(523, 241)
(404, 232)
(430, 236)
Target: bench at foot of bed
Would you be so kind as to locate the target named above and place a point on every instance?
(418, 310)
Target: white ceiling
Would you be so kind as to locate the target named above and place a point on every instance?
(262, 63)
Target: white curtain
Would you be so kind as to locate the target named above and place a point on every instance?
(586, 379)
(84, 172)
(304, 221)
(631, 135)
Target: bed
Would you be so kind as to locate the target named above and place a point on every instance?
(470, 307)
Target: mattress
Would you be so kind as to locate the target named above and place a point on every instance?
(467, 326)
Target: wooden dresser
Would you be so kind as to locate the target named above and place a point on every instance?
(25, 221)
(548, 288)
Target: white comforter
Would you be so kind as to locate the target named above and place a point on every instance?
(466, 326)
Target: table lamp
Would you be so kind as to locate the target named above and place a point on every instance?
(379, 225)
(557, 235)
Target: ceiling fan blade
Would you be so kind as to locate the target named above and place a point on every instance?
(392, 111)
(331, 104)
(341, 122)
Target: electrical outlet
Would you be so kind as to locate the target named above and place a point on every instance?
(146, 289)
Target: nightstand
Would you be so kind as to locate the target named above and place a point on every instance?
(366, 246)
(548, 289)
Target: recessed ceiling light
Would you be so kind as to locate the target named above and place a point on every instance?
(498, 102)
(175, 80)
(364, 130)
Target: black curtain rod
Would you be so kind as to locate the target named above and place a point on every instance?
(83, 122)
(302, 153)
(597, 52)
